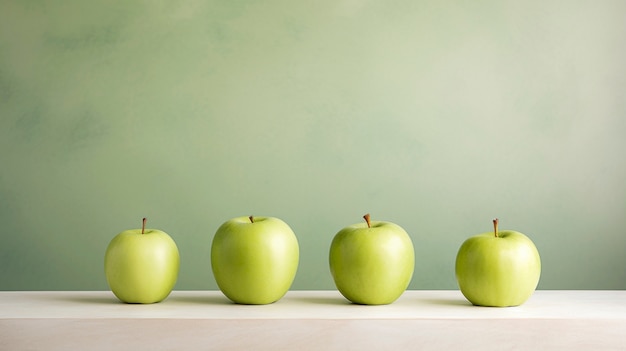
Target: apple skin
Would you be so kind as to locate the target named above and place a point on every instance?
(498, 271)
(141, 268)
(254, 263)
(372, 265)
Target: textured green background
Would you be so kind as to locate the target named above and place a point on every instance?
(436, 115)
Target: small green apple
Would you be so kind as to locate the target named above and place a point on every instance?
(254, 259)
(141, 265)
(498, 269)
(372, 263)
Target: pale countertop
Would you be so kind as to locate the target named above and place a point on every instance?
(311, 320)
(324, 304)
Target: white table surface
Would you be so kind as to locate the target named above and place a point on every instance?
(550, 320)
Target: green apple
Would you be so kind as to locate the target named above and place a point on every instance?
(499, 268)
(254, 259)
(372, 263)
(141, 265)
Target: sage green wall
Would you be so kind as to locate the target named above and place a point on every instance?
(436, 115)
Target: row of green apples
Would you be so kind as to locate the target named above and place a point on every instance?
(255, 259)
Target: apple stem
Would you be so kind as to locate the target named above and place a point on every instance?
(251, 219)
(495, 227)
(143, 225)
(367, 220)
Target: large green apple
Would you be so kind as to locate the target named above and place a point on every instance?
(141, 265)
(499, 268)
(372, 263)
(254, 259)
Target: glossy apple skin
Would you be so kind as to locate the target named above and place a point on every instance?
(372, 266)
(498, 271)
(254, 263)
(141, 268)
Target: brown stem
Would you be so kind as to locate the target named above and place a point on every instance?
(495, 227)
(251, 219)
(143, 225)
(367, 220)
